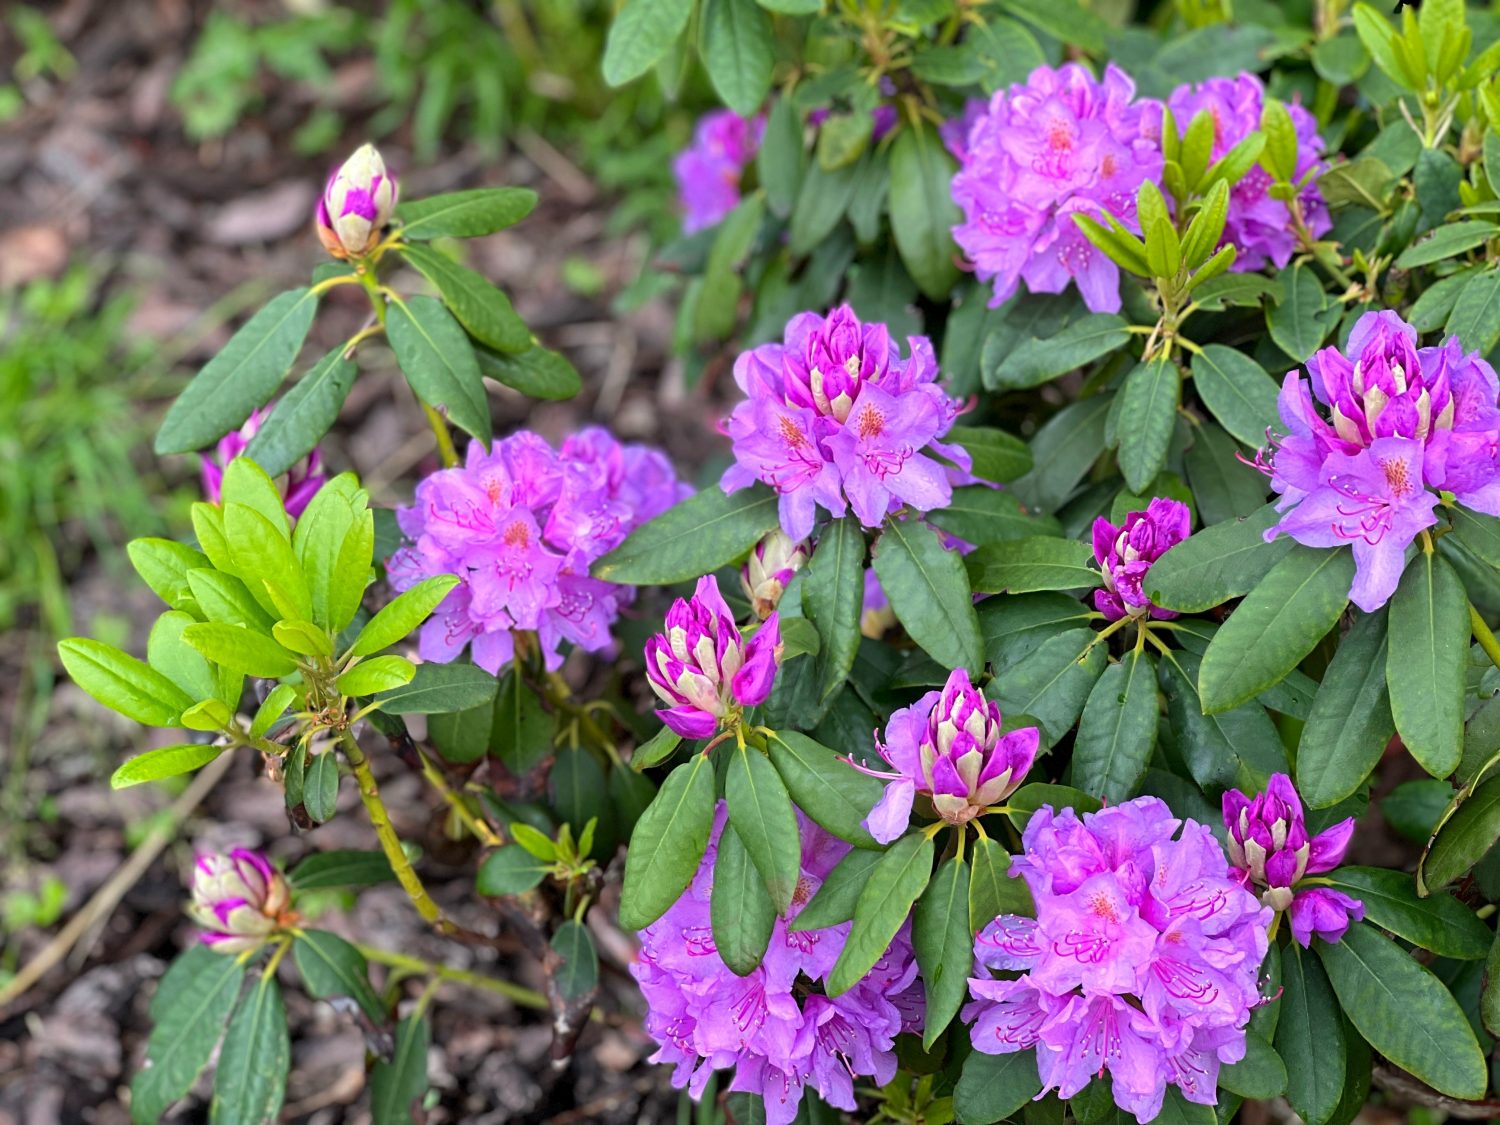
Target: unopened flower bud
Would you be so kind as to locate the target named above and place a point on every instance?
(356, 204)
(1269, 843)
(240, 900)
(949, 746)
(704, 668)
(770, 568)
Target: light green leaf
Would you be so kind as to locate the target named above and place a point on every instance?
(404, 613)
(123, 683)
(165, 761)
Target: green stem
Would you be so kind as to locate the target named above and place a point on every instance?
(446, 452)
(416, 965)
(1484, 636)
(460, 808)
(390, 843)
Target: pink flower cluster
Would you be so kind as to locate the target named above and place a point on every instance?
(708, 171)
(1402, 424)
(519, 526)
(1142, 959)
(774, 1027)
(1125, 555)
(1259, 226)
(1270, 848)
(1064, 143)
(835, 417)
(302, 481)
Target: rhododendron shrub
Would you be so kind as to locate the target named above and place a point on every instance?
(1069, 689)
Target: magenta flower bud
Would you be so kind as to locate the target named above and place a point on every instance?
(948, 745)
(765, 575)
(1125, 555)
(704, 668)
(356, 205)
(240, 900)
(302, 481)
(1269, 845)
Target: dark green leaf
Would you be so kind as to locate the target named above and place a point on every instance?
(1447, 241)
(320, 788)
(1064, 449)
(833, 590)
(837, 897)
(997, 455)
(657, 749)
(822, 200)
(1475, 319)
(1260, 1074)
(1224, 486)
(668, 843)
(761, 812)
(438, 361)
(1027, 799)
(1463, 840)
(1053, 683)
(536, 372)
(304, 415)
(1118, 730)
(922, 209)
(1405, 1012)
(1297, 324)
(992, 891)
(884, 904)
(1238, 748)
(1148, 415)
(250, 1082)
(1425, 671)
(1489, 999)
(482, 309)
(994, 1087)
(696, 537)
(522, 733)
(331, 967)
(1036, 361)
(189, 1010)
(242, 376)
(1023, 566)
(1290, 610)
(578, 974)
(1067, 21)
(438, 688)
(1310, 1037)
(341, 868)
(735, 43)
(944, 945)
(740, 910)
(929, 593)
(780, 159)
(1439, 922)
(833, 793)
(397, 1087)
(1218, 563)
(1478, 532)
(1350, 722)
(982, 515)
(510, 870)
(464, 214)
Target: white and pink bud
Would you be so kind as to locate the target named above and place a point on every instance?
(240, 900)
(770, 568)
(704, 669)
(356, 205)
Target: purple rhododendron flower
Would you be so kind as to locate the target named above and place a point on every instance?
(1064, 143)
(948, 746)
(771, 565)
(1259, 227)
(955, 131)
(519, 527)
(302, 481)
(1142, 958)
(240, 900)
(1402, 423)
(773, 1027)
(836, 417)
(1270, 847)
(708, 171)
(1125, 555)
(704, 668)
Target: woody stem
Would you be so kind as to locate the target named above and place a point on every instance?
(390, 843)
